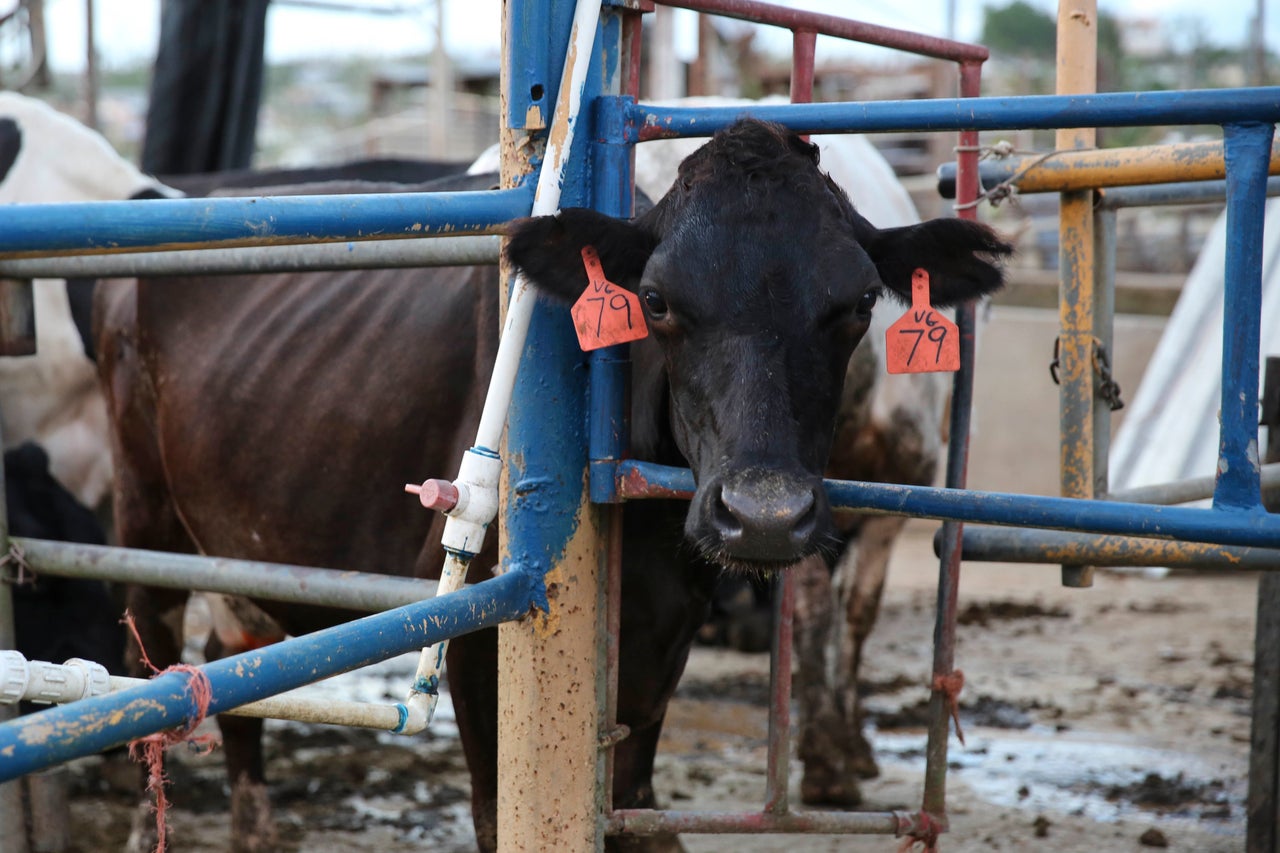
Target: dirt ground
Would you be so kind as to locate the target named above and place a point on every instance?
(1109, 719)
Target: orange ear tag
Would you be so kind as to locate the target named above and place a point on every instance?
(922, 340)
(605, 314)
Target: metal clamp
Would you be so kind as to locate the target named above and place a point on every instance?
(1108, 389)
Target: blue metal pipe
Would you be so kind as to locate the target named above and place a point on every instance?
(1121, 109)
(613, 194)
(1253, 528)
(185, 222)
(92, 725)
(1247, 152)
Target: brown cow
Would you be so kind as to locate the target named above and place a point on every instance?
(268, 420)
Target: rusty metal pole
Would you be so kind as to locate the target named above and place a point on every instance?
(1077, 74)
(550, 690)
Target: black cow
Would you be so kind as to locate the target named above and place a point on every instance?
(58, 618)
(312, 396)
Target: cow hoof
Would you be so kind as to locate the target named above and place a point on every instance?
(252, 829)
(864, 766)
(826, 790)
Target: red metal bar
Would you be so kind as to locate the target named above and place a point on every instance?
(613, 626)
(653, 821)
(779, 756)
(830, 25)
(632, 38)
(944, 635)
(803, 43)
(632, 485)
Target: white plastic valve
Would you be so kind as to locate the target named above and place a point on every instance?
(97, 680)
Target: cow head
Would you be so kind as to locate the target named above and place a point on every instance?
(758, 279)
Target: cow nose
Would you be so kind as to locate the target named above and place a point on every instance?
(760, 521)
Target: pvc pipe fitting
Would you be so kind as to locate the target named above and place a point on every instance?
(13, 677)
(50, 683)
(476, 504)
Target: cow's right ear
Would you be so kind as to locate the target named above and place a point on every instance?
(548, 250)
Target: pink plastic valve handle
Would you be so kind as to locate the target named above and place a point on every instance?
(435, 494)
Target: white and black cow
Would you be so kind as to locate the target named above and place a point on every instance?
(52, 398)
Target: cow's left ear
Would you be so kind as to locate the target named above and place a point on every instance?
(963, 258)
(548, 250)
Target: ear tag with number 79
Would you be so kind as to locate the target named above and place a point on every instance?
(922, 340)
(605, 314)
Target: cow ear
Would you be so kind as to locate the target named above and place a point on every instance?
(548, 250)
(963, 258)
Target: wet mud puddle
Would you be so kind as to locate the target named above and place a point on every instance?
(1099, 777)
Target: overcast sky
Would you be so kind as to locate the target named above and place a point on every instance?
(127, 28)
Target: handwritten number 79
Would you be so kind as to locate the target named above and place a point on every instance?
(617, 302)
(937, 334)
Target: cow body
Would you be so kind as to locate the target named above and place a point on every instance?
(314, 397)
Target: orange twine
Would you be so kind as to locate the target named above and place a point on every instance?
(149, 750)
(950, 687)
(925, 833)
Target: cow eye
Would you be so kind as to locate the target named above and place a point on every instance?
(868, 300)
(654, 302)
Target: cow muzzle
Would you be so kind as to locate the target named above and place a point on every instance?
(760, 518)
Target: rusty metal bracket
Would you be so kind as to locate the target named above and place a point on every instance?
(1108, 388)
(614, 736)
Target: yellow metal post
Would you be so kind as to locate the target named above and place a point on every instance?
(1077, 74)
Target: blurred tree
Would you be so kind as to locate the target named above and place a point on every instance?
(1019, 30)
(1025, 37)
(1111, 58)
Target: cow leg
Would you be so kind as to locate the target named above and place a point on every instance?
(473, 687)
(821, 721)
(633, 789)
(833, 747)
(252, 828)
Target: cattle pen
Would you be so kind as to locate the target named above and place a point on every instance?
(565, 461)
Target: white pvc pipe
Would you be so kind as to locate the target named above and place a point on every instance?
(23, 680)
(465, 528)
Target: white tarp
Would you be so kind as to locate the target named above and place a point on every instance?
(1170, 430)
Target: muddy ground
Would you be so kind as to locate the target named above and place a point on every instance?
(1109, 719)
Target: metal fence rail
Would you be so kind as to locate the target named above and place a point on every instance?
(38, 229)
(60, 734)
(309, 257)
(567, 539)
(295, 584)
